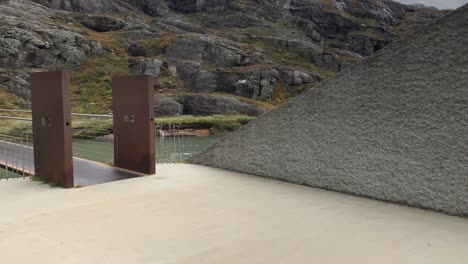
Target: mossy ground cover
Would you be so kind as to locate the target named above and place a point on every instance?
(8, 100)
(156, 46)
(217, 123)
(284, 93)
(92, 81)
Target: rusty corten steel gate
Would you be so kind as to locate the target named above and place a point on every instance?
(134, 128)
(52, 132)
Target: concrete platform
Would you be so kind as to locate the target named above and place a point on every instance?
(193, 214)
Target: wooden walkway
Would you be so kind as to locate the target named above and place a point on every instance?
(20, 159)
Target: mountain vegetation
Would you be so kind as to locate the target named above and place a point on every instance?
(209, 57)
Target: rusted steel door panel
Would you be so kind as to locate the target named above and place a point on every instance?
(52, 132)
(134, 128)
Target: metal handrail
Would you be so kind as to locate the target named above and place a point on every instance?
(29, 112)
(15, 110)
(93, 115)
(16, 118)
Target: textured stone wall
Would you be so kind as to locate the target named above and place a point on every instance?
(394, 128)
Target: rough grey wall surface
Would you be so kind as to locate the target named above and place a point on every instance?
(394, 128)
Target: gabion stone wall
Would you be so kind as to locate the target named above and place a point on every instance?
(394, 128)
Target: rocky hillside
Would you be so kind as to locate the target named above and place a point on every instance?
(210, 56)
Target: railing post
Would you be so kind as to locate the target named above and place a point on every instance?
(6, 159)
(134, 127)
(52, 132)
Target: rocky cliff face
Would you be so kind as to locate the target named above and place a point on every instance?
(261, 50)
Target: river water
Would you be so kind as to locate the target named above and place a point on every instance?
(168, 150)
(5, 175)
(180, 149)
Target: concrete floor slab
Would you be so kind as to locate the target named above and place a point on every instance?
(195, 214)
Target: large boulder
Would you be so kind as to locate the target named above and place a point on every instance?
(17, 84)
(195, 78)
(297, 77)
(151, 7)
(69, 47)
(387, 11)
(254, 83)
(146, 66)
(179, 26)
(217, 104)
(102, 23)
(192, 6)
(84, 6)
(204, 81)
(251, 82)
(326, 60)
(168, 107)
(331, 25)
(291, 44)
(28, 38)
(24, 47)
(208, 50)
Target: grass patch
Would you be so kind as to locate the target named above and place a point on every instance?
(89, 128)
(85, 128)
(156, 46)
(284, 92)
(8, 100)
(92, 87)
(217, 123)
(14, 127)
(370, 32)
(264, 104)
(82, 128)
(91, 82)
(52, 184)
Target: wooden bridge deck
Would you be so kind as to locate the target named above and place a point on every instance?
(20, 159)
